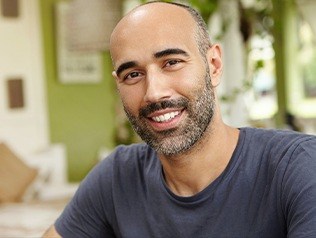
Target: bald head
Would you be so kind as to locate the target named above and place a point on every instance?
(156, 16)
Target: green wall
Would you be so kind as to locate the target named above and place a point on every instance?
(81, 116)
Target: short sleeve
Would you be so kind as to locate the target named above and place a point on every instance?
(86, 214)
(299, 191)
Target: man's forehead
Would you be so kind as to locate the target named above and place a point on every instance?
(152, 16)
(159, 23)
(159, 9)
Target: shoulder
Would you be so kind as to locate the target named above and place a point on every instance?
(121, 161)
(276, 134)
(276, 153)
(126, 161)
(129, 155)
(278, 142)
(287, 155)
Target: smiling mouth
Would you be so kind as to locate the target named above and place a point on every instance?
(166, 117)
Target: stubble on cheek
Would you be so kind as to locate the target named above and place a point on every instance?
(199, 112)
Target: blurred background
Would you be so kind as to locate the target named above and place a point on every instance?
(57, 94)
(59, 111)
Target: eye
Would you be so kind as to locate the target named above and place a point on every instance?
(132, 77)
(172, 62)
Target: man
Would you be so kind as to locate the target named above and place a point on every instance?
(196, 176)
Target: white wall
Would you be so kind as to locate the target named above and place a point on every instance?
(25, 129)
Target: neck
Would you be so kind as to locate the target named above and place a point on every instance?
(189, 173)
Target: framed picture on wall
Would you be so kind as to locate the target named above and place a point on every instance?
(74, 66)
(9, 8)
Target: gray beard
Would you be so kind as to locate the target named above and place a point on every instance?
(177, 140)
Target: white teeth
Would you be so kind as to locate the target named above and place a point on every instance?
(166, 117)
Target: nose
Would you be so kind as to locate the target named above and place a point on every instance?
(158, 87)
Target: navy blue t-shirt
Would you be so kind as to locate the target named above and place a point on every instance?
(268, 189)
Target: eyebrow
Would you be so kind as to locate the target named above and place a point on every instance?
(170, 51)
(125, 66)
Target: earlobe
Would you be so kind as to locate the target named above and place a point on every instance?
(214, 56)
(114, 74)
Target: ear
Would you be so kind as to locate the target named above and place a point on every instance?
(214, 59)
(114, 75)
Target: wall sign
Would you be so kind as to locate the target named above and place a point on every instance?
(15, 93)
(74, 66)
(91, 23)
(10, 8)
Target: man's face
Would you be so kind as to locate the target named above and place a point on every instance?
(163, 80)
(199, 110)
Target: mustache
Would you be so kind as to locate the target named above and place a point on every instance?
(156, 106)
